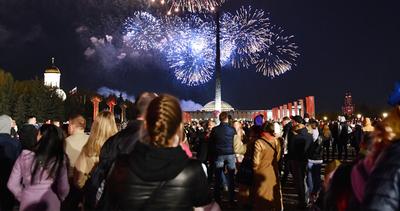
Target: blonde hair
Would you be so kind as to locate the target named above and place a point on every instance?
(326, 131)
(393, 122)
(103, 128)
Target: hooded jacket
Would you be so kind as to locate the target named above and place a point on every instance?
(9, 151)
(299, 143)
(153, 178)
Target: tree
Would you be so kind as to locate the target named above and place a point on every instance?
(34, 98)
(6, 92)
(20, 109)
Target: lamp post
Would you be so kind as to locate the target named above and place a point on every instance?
(384, 114)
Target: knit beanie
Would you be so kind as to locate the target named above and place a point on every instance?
(5, 124)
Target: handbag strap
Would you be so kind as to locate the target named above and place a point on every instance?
(269, 144)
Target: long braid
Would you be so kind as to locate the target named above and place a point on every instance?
(163, 118)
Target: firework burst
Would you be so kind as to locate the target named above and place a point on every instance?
(143, 31)
(249, 30)
(188, 43)
(189, 51)
(188, 5)
(280, 55)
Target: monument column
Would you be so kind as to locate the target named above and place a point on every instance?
(95, 100)
(123, 107)
(301, 104)
(218, 98)
(111, 102)
(285, 110)
(310, 106)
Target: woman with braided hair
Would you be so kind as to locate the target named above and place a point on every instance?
(157, 174)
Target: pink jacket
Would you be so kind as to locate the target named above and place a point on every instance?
(359, 177)
(39, 194)
(186, 148)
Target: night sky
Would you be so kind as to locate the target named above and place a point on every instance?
(344, 46)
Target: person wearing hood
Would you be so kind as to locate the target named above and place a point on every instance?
(157, 174)
(298, 146)
(10, 149)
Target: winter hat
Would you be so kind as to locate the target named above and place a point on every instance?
(394, 98)
(259, 120)
(298, 119)
(5, 124)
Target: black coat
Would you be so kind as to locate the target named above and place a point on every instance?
(383, 188)
(222, 137)
(315, 150)
(344, 135)
(9, 151)
(121, 143)
(356, 136)
(156, 179)
(335, 131)
(299, 144)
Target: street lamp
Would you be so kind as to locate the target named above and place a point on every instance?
(325, 118)
(359, 116)
(384, 114)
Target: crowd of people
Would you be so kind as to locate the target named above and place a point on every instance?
(158, 162)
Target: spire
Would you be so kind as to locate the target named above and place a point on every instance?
(52, 61)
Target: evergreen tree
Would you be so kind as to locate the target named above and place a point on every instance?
(6, 92)
(37, 100)
(20, 109)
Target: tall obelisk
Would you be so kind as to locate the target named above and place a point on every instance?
(218, 102)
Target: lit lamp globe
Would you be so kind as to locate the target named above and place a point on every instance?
(359, 116)
(61, 94)
(384, 114)
(325, 118)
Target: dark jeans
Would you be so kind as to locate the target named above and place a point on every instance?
(219, 171)
(325, 152)
(342, 147)
(334, 147)
(284, 168)
(298, 169)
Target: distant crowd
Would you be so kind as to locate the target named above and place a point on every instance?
(158, 162)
